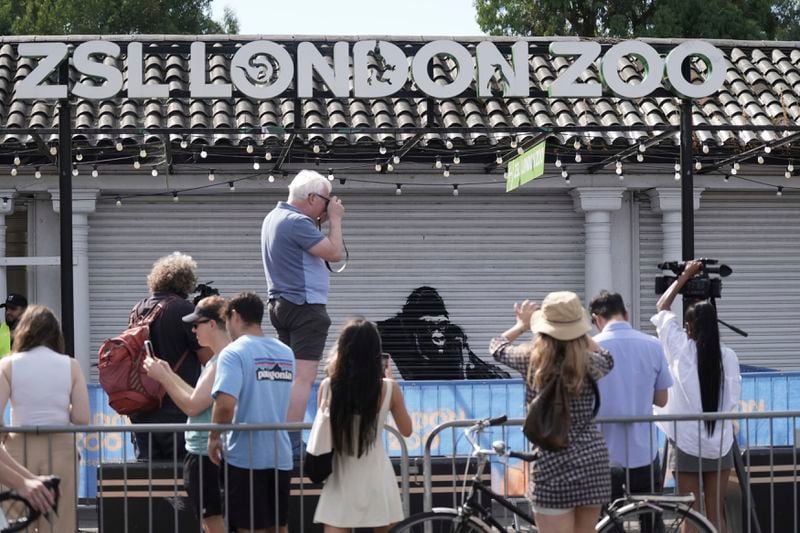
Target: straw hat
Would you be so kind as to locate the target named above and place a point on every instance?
(562, 317)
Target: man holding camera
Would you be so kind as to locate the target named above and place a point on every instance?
(294, 252)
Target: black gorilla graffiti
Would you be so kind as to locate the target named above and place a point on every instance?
(424, 344)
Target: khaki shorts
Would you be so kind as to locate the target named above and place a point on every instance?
(304, 328)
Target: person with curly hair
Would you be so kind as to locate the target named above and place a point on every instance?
(170, 281)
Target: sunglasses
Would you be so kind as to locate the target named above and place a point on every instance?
(194, 326)
(327, 200)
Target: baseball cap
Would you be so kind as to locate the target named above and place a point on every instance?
(15, 300)
(209, 308)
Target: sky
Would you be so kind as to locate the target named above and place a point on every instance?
(352, 17)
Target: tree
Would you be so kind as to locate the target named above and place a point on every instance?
(707, 19)
(64, 17)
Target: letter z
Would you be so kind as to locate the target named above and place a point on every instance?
(32, 87)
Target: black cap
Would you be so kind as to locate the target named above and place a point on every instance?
(199, 314)
(15, 300)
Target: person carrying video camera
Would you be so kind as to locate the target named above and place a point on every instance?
(706, 380)
(294, 251)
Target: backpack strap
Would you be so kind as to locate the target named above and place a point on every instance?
(180, 361)
(596, 391)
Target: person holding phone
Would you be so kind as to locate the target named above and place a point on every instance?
(208, 322)
(294, 251)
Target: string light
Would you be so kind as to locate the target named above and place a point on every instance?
(256, 164)
(143, 153)
(250, 148)
(446, 172)
(455, 190)
(621, 176)
(37, 173)
(14, 171)
(577, 144)
(736, 165)
(75, 171)
(698, 165)
(734, 170)
(565, 175)
(154, 172)
(640, 157)
(95, 172)
(271, 178)
(378, 166)
(767, 149)
(315, 148)
(779, 192)
(677, 176)
(790, 167)
(456, 159)
(17, 161)
(211, 175)
(119, 201)
(330, 174)
(514, 141)
(706, 149)
(578, 157)
(499, 159)
(53, 150)
(727, 178)
(137, 164)
(399, 190)
(760, 159)
(642, 148)
(268, 156)
(175, 197)
(787, 175)
(184, 143)
(396, 159)
(231, 186)
(448, 144)
(558, 162)
(438, 163)
(389, 167)
(382, 149)
(520, 150)
(677, 167)
(203, 153)
(619, 168)
(118, 146)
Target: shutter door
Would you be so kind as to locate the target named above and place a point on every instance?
(650, 254)
(481, 252)
(755, 233)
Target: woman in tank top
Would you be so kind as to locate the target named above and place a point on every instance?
(46, 388)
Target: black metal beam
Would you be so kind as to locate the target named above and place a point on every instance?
(65, 209)
(627, 152)
(747, 154)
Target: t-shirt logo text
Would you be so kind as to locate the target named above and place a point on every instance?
(276, 373)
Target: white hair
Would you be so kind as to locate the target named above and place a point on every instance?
(308, 182)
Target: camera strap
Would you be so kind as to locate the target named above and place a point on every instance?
(346, 255)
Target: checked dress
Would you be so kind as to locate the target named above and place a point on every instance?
(580, 474)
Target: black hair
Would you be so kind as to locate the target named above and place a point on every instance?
(248, 305)
(424, 301)
(356, 384)
(702, 317)
(607, 304)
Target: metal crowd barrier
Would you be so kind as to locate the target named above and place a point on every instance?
(135, 480)
(765, 453)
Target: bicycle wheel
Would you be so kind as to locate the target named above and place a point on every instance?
(440, 521)
(655, 517)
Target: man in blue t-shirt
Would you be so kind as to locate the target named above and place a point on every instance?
(294, 252)
(252, 386)
(639, 380)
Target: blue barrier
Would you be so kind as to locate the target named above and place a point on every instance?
(433, 402)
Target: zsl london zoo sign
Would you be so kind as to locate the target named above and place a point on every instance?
(265, 69)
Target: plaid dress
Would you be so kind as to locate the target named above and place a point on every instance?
(580, 474)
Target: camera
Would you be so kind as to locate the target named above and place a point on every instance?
(702, 286)
(204, 290)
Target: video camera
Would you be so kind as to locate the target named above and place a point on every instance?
(702, 286)
(204, 290)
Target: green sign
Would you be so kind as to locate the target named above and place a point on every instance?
(525, 167)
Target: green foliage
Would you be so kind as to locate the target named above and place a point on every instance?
(65, 17)
(707, 19)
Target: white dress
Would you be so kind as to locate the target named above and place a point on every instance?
(362, 491)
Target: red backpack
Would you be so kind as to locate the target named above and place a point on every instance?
(120, 366)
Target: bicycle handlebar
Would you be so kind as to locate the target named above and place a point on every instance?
(33, 515)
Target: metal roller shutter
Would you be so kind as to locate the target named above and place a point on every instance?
(482, 252)
(755, 233)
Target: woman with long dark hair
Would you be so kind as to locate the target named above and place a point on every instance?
(568, 486)
(361, 492)
(706, 380)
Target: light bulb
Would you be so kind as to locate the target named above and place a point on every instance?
(558, 162)
(53, 150)
(330, 175)
(382, 149)
(520, 150)
(184, 143)
(578, 158)
(438, 163)
(175, 197)
(17, 160)
(455, 190)
(790, 167)
(698, 165)
(389, 167)
(767, 149)
(203, 153)
(14, 171)
(734, 171)
(137, 164)
(619, 171)
(513, 142)
(642, 148)
(640, 158)
(448, 144)
(154, 172)
(706, 149)
(37, 173)
(231, 186)
(377, 167)
(564, 173)
(618, 164)
(779, 192)
(79, 156)
(315, 148)
(211, 175)
(250, 149)
(143, 153)
(677, 167)
(726, 178)
(95, 172)
(577, 144)
(677, 176)
(396, 159)
(271, 178)
(256, 164)
(760, 159)
(118, 146)
(268, 156)
(499, 159)
(446, 172)
(75, 171)
(119, 202)
(399, 190)
(787, 175)
(456, 159)
(736, 165)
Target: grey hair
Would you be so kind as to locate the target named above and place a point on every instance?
(308, 182)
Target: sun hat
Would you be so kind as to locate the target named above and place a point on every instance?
(562, 317)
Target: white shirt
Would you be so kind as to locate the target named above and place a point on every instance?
(684, 397)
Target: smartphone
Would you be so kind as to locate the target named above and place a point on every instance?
(148, 346)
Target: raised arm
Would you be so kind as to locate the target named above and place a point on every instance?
(192, 401)
(501, 348)
(331, 247)
(665, 302)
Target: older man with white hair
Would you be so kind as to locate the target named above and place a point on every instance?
(294, 251)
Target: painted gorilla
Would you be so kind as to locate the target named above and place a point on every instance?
(425, 345)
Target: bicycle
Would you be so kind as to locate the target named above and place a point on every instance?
(21, 520)
(632, 513)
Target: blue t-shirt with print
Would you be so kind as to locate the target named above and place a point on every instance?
(258, 372)
(292, 272)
